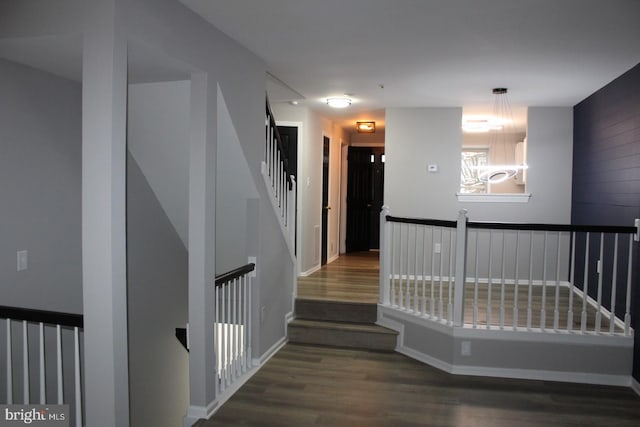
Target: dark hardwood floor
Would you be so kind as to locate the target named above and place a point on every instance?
(320, 386)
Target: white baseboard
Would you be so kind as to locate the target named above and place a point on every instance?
(272, 350)
(311, 270)
(635, 386)
(524, 374)
(194, 413)
(333, 258)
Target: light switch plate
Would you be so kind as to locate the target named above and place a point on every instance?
(22, 260)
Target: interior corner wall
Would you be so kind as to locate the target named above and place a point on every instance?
(417, 137)
(40, 172)
(157, 282)
(606, 167)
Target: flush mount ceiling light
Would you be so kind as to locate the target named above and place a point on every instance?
(338, 102)
(366, 127)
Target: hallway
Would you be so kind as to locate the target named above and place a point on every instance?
(353, 277)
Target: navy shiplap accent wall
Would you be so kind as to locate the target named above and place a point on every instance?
(606, 167)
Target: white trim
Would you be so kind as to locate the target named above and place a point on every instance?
(333, 258)
(525, 374)
(507, 333)
(605, 312)
(271, 351)
(635, 386)
(194, 413)
(543, 375)
(311, 270)
(494, 198)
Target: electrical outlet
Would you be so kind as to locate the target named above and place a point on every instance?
(465, 348)
(263, 311)
(437, 248)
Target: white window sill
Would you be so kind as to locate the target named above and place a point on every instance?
(494, 198)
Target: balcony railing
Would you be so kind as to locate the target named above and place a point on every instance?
(54, 338)
(524, 277)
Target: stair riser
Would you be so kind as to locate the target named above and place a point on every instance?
(338, 338)
(336, 311)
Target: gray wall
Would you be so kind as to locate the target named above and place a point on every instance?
(40, 166)
(157, 304)
(158, 138)
(416, 137)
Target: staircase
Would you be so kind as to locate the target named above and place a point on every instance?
(339, 324)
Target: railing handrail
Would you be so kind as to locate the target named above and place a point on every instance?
(283, 156)
(553, 227)
(486, 225)
(422, 221)
(42, 316)
(234, 274)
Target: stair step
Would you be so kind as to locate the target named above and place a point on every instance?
(341, 334)
(337, 311)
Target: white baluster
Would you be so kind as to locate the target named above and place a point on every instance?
(393, 252)
(451, 279)
(571, 282)
(78, 389)
(59, 365)
(249, 324)
(9, 364)
(599, 293)
(614, 284)
(517, 282)
(530, 293)
(423, 310)
(585, 287)
(407, 300)
(431, 301)
(43, 390)
(627, 314)
(490, 279)
(502, 274)
(556, 311)
(216, 338)
(543, 310)
(475, 284)
(415, 270)
(25, 363)
(440, 277)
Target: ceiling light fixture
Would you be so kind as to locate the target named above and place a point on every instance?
(338, 102)
(500, 139)
(366, 127)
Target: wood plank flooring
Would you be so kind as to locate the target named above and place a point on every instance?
(317, 386)
(352, 277)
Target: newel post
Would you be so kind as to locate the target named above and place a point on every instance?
(461, 264)
(385, 255)
(291, 214)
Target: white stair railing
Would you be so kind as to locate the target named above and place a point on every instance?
(526, 277)
(232, 334)
(279, 181)
(46, 324)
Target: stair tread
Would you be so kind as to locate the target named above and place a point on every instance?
(328, 301)
(342, 326)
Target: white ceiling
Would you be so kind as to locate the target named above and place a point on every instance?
(434, 52)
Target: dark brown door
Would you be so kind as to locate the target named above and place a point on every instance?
(365, 183)
(325, 198)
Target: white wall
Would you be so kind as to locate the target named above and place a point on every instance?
(158, 139)
(40, 167)
(315, 127)
(234, 188)
(416, 137)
